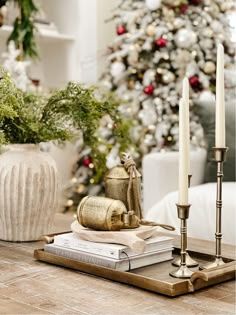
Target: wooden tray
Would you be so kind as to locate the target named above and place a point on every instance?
(154, 277)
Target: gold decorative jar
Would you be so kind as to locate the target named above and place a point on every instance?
(117, 183)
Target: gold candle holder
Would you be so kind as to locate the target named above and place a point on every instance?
(183, 271)
(220, 157)
(190, 262)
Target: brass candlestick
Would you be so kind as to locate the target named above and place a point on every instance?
(183, 271)
(220, 157)
(190, 262)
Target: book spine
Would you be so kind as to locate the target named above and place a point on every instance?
(89, 247)
(106, 250)
(158, 246)
(84, 257)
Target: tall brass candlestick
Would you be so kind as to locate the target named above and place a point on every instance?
(220, 157)
(183, 271)
(190, 262)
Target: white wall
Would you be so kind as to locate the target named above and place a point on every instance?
(105, 31)
(92, 38)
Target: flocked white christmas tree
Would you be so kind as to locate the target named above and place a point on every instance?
(160, 42)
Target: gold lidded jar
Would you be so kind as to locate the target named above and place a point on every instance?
(101, 213)
(116, 187)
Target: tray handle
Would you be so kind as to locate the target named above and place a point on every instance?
(209, 274)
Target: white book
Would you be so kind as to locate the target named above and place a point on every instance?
(124, 264)
(71, 240)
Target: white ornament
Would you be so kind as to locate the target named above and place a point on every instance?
(191, 69)
(148, 116)
(149, 140)
(168, 77)
(147, 45)
(117, 69)
(206, 96)
(17, 69)
(216, 26)
(112, 158)
(20, 76)
(148, 77)
(10, 57)
(153, 4)
(178, 22)
(185, 38)
(158, 102)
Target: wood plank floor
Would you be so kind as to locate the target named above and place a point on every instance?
(28, 287)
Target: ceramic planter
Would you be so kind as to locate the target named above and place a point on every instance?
(28, 192)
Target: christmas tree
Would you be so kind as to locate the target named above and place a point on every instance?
(158, 43)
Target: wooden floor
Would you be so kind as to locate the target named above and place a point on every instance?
(28, 286)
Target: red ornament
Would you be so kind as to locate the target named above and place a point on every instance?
(183, 8)
(149, 89)
(195, 2)
(194, 81)
(120, 30)
(87, 161)
(161, 42)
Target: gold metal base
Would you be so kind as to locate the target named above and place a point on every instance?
(216, 263)
(183, 272)
(189, 261)
(220, 154)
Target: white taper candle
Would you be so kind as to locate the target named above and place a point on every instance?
(186, 101)
(183, 171)
(220, 100)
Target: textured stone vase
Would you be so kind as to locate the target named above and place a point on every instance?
(28, 192)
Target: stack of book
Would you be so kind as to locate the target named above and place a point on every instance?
(114, 256)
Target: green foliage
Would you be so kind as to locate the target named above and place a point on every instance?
(29, 118)
(24, 28)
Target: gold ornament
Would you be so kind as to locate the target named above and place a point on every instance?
(209, 67)
(151, 30)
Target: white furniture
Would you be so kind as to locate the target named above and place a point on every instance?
(160, 174)
(160, 177)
